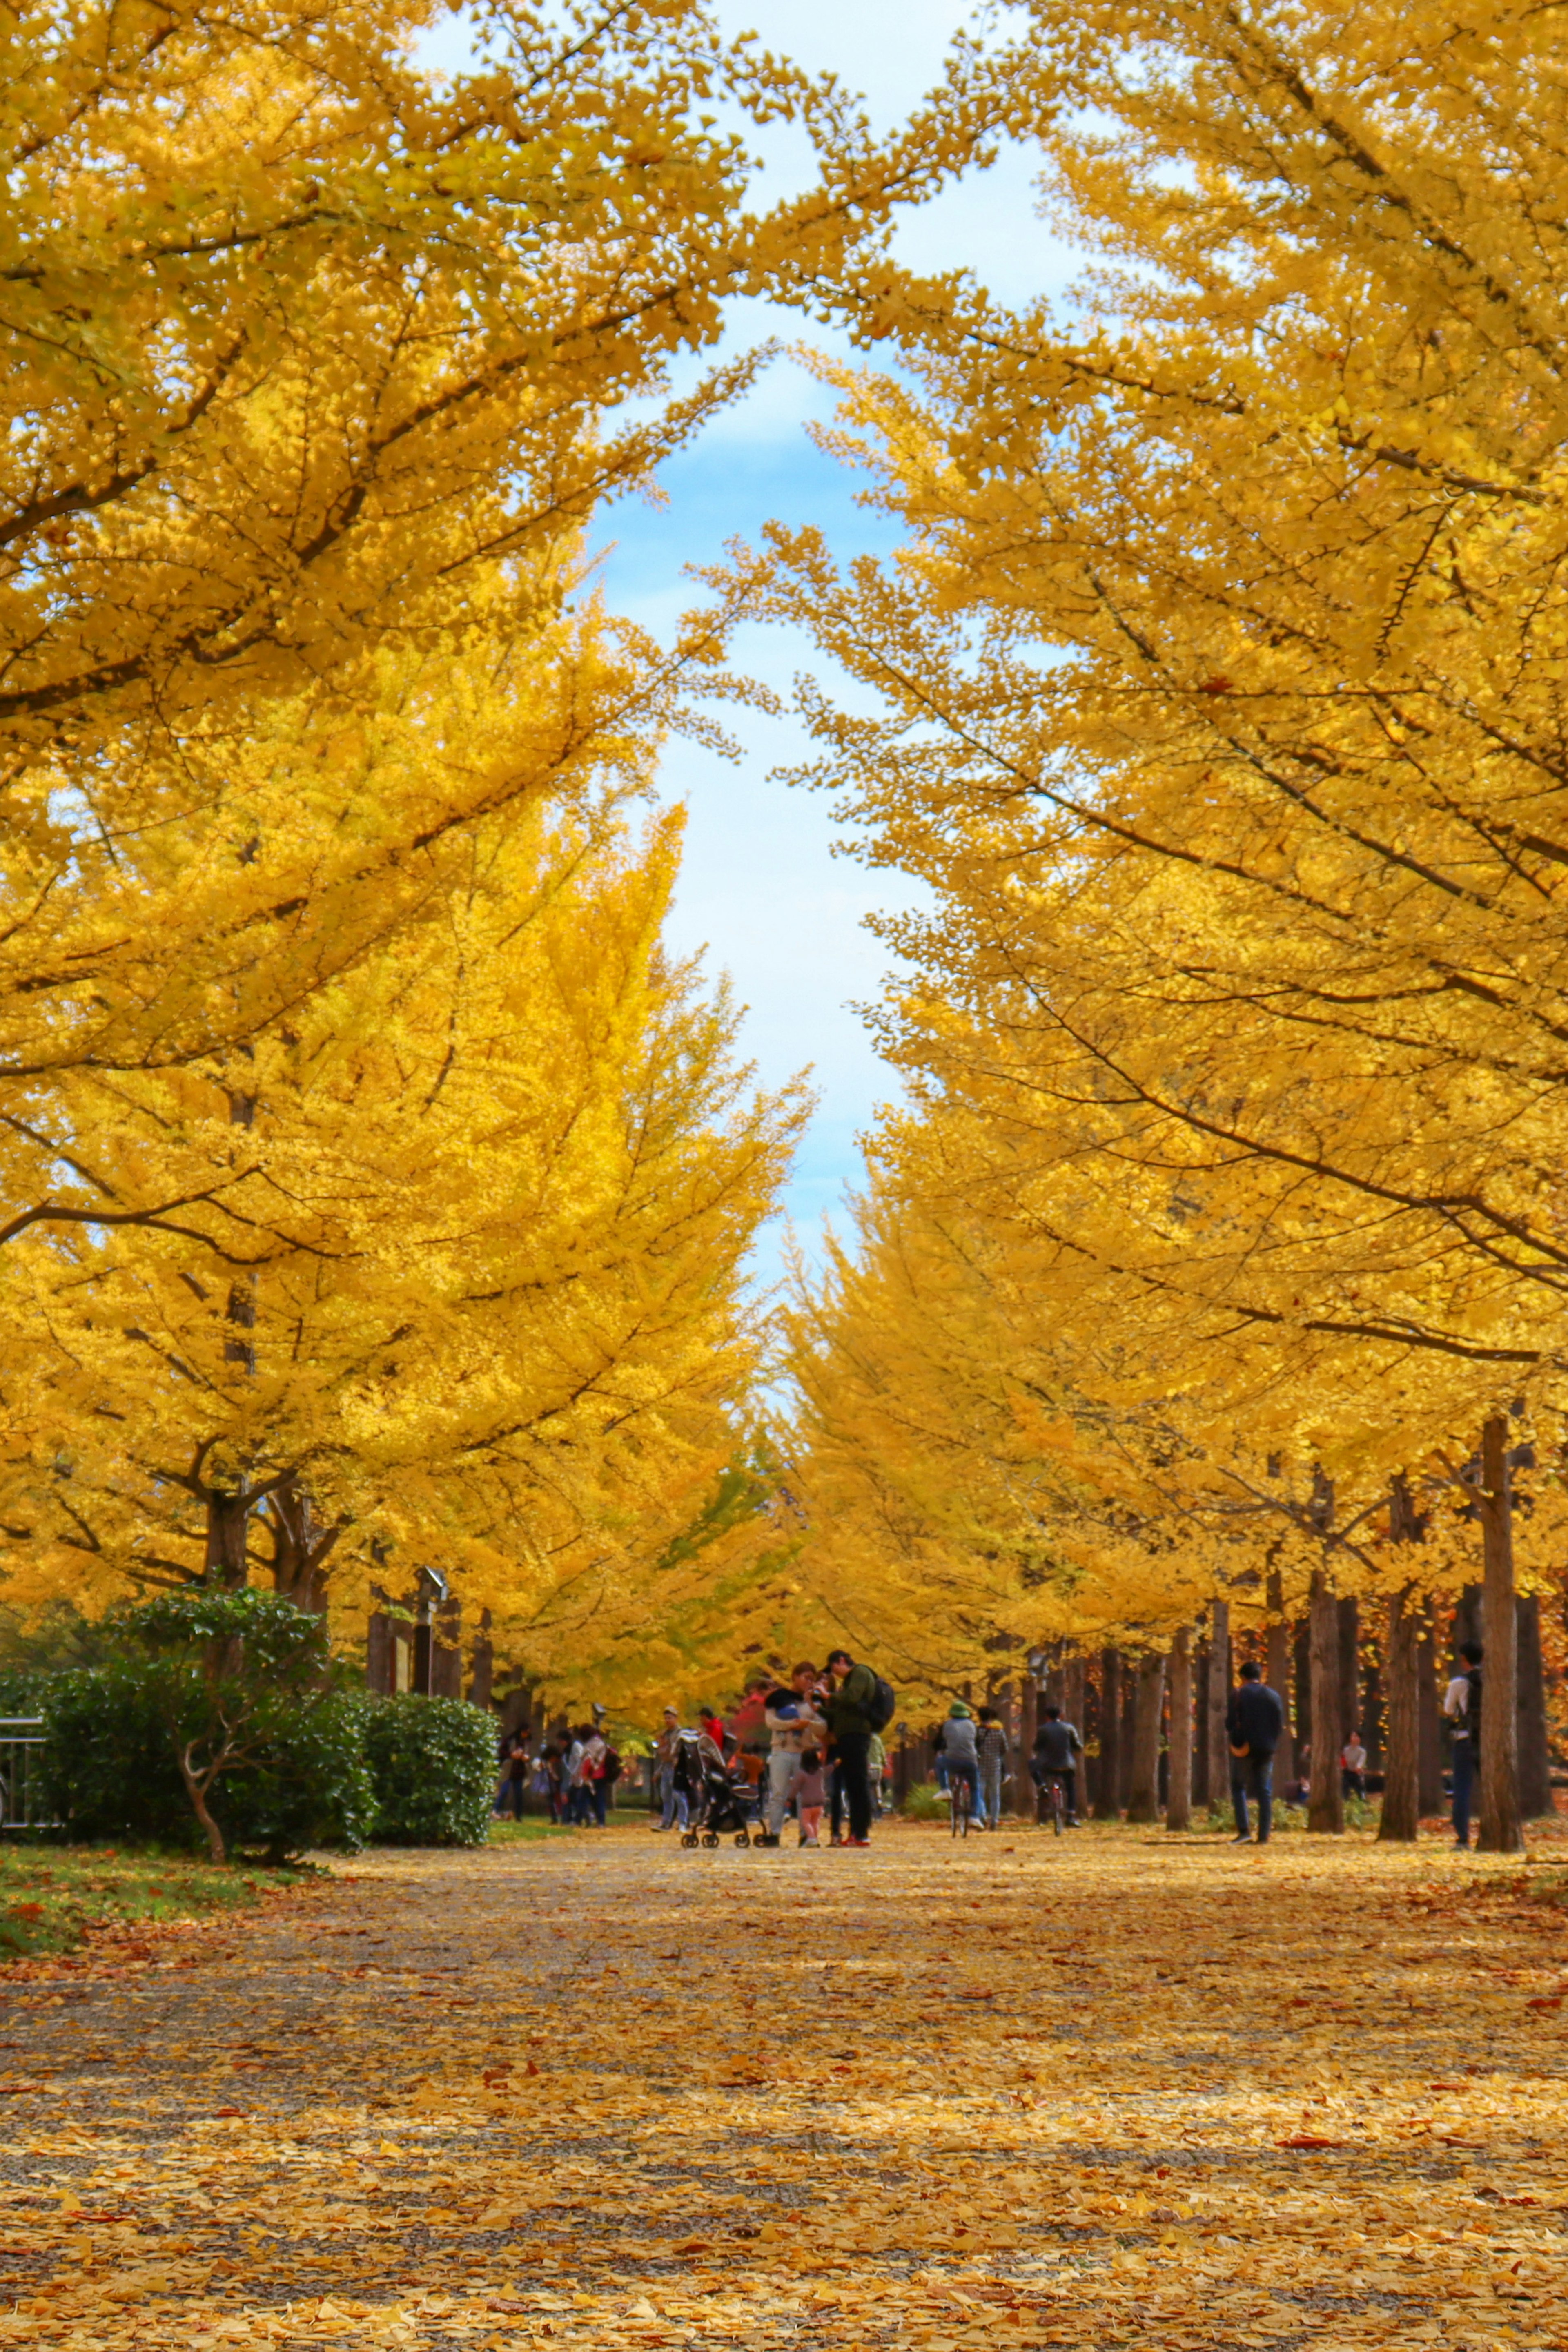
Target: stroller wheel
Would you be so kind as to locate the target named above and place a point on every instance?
(710, 1837)
(688, 1837)
(742, 1838)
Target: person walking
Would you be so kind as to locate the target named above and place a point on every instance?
(1253, 1723)
(793, 1723)
(1462, 1706)
(1352, 1766)
(991, 1744)
(852, 1717)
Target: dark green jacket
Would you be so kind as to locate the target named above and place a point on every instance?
(847, 1707)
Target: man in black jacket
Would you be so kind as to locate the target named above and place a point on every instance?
(1253, 1722)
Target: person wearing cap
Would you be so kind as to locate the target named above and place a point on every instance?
(673, 1800)
(957, 1743)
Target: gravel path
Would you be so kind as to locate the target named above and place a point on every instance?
(1112, 2089)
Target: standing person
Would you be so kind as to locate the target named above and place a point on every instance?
(876, 1766)
(1057, 1748)
(512, 1787)
(1253, 1722)
(579, 1805)
(1352, 1766)
(590, 1774)
(671, 1800)
(1462, 1706)
(810, 1795)
(961, 1748)
(793, 1723)
(991, 1742)
(712, 1722)
(852, 1719)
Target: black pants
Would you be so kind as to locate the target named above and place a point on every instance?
(854, 1768)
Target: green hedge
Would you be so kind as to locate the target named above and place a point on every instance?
(339, 1772)
(433, 1764)
(111, 1771)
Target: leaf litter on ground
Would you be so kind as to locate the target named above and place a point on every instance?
(601, 2091)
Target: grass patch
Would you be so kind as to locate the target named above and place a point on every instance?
(530, 1831)
(50, 1897)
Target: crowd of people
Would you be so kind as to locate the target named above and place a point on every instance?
(804, 1750)
(573, 1771)
(811, 1750)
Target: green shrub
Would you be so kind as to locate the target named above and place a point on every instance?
(433, 1762)
(924, 1802)
(110, 1768)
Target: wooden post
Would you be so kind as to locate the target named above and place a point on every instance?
(1148, 1692)
(1325, 1802)
(1178, 1802)
(1501, 1828)
(1218, 1704)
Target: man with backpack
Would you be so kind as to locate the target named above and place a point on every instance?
(1462, 1706)
(861, 1704)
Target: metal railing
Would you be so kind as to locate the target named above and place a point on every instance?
(22, 1802)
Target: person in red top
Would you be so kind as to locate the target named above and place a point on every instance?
(712, 1722)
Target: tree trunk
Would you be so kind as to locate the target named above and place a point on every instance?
(1469, 1615)
(1401, 1773)
(1073, 1693)
(1148, 1713)
(1534, 1756)
(1126, 1738)
(1278, 1671)
(1325, 1802)
(482, 1664)
(1024, 1803)
(228, 1552)
(380, 1671)
(1218, 1704)
(1179, 1801)
(1200, 1669)
(1107, 1771)
(1349, 1667)
(1501, 1830)
(1302, 1662)
(198, 1796)
(1429, 1730)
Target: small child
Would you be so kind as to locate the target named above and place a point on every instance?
(806, 1786)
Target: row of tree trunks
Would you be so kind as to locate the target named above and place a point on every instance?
(1129, 1707)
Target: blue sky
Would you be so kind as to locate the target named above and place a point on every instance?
(761, 892)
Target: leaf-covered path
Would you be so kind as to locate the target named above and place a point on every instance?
(1117, 2089)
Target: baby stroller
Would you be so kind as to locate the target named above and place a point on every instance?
(722, 1807)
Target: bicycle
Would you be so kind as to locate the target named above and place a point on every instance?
(961, 1796)
(1052, 1785)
